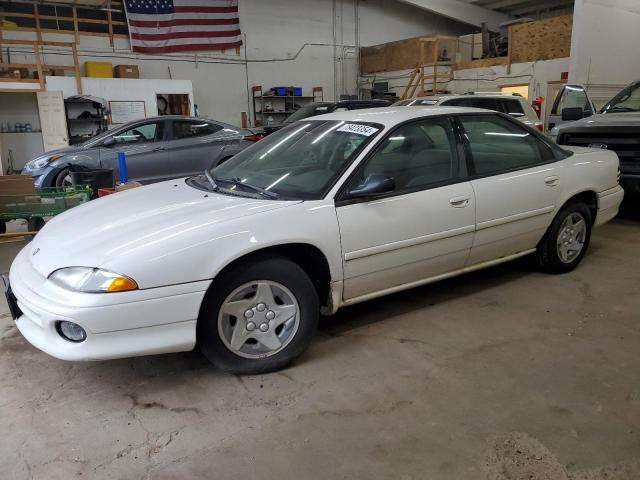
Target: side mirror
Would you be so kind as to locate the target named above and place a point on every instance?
(572, 113)
(374, 184)
(108, 142)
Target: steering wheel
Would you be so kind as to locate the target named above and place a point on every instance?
(141, 137)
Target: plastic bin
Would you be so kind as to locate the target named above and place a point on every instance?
(297, 91)
(96, 178)
(98, 69)
(280, 91)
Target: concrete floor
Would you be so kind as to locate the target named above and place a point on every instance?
(502, 374)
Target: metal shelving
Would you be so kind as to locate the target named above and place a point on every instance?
(282, 105)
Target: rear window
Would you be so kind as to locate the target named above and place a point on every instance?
(513, 108)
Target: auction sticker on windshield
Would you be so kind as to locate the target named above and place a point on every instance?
(365, 130)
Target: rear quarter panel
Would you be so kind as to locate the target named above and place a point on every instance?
(588, 169)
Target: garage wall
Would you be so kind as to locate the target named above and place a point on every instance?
(489, 79)
(288, 42)
(604, 45)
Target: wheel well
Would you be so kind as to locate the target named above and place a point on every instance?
(308, 257)
(590, 198)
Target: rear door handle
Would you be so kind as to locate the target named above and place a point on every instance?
(459, 202)
(159, 149)
(552, 181)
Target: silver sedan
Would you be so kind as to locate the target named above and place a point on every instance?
(156, 149)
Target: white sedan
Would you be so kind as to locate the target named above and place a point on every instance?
(327, 212)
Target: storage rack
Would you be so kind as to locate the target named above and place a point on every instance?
(82, 129)
(283, 105)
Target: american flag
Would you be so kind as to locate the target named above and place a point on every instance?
(164, 26)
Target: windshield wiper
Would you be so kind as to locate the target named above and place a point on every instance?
(214, 185)
(239, 183)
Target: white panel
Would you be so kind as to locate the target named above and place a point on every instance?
(53, 120)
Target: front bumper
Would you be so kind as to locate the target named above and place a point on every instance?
(143, 322)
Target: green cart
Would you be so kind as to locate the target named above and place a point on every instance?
(46, 202)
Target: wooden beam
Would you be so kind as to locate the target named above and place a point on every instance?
(69, 32)
(36, 54)
(61, 18)
(110, 20)
(75, 25)
(36, 15)
(74, 51)
(18, 80)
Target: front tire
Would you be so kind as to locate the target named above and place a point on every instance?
(258, 317)
(63, 179)
(566, 240)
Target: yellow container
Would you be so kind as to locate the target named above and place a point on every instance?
(98, 69)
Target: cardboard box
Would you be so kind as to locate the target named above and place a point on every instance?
(98, 69)
(126, 71)
(16, 185)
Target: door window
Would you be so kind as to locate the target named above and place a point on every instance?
(498, 145)
(193, 128)
(571, 96)
(149, 132)
(417, 155)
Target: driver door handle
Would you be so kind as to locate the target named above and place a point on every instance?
(159, 149)
(552, 181)
(459, 202)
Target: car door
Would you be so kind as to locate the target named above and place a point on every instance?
(516, 183)
(145, 150)
(424, 227)
(570, 96)
(196, 145)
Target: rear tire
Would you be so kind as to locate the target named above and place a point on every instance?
(258, 317)
(566, 240)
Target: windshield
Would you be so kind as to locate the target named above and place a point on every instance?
(310, 110)
(628, 100)
(301, 161)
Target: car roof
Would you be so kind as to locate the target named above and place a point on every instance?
(447, 96)
(390, 116)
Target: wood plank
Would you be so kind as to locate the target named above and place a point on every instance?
(19, 80)
(76, 65)
(36, 55)
(110, 21)
(36, 15)
(482, 63)
(75, 24)
(68, 32)
(541, 39)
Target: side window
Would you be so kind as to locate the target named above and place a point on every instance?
(416, 155)
(488, 103)
(571, 96)
(149, 132)
(499, 145)
(457, 102)
(513, 108)
(193, 128)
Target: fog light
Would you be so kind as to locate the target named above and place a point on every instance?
(71, 331)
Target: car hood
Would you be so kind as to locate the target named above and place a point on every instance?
(605, 119)
(137, 225)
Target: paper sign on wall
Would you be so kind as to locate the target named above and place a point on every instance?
(123, 112)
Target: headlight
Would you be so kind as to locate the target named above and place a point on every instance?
(92, 280)
(43, 162)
